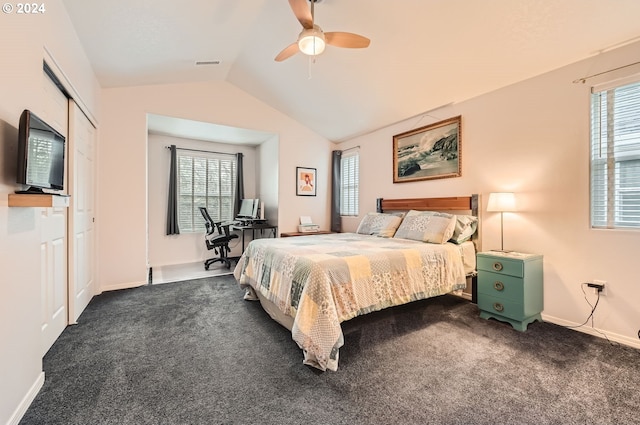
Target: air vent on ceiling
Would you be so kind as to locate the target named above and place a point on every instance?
(202, 63)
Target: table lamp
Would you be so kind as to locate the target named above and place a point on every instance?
(501, 202)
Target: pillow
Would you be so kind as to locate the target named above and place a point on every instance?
(466, 226)
(427, 226)
(379, 224)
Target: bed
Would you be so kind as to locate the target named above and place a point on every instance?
(311, 284)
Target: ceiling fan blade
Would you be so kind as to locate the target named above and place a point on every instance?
(302, 12)
(288, 51)
(346, 39)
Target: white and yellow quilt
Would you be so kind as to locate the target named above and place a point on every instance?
(323, 280)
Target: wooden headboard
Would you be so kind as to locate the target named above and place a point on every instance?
(455, 203)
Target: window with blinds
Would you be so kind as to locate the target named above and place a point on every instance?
(350, 175)
(205, 180)
(615, 156)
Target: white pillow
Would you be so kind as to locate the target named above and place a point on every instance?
(466, 226)
(379, 224)
(427, 226)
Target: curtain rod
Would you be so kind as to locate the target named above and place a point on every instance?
(584, 79)
(200, 150)
(351, 148)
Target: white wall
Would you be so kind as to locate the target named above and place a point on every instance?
(531, 138)
(308, 154)
(122, 171)
(185, 247)
(22, 50)
(268, 187)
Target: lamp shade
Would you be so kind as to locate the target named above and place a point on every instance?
(501, 202)
(311, 41)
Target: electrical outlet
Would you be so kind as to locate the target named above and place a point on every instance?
(604, 286)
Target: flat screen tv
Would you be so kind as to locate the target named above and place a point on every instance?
(40, 155)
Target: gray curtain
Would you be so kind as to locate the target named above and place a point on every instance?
(172, 205)
(239, 184)
(336, 221)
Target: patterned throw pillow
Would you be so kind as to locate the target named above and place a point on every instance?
(466, 226)
(379, 224)
(427, 226)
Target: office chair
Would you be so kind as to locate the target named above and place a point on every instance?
(217, 238)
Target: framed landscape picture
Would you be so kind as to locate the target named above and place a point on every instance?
(429, 152)
(305, 181)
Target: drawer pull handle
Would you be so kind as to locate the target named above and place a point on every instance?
(498, 286)
(498, 307)
(497, 266)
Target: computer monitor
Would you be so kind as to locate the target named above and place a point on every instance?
(249, 208)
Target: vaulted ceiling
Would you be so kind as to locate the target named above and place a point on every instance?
(423, 53)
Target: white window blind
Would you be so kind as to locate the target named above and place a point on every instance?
(205, 180)
(349, 191)
(615, 157)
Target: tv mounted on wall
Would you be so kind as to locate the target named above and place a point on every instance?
(40, 155)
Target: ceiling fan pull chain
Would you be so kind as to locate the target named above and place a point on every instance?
(312, 60)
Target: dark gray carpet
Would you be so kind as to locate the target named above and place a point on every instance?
(195, 353)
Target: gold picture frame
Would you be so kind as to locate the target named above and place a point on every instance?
(429, 152)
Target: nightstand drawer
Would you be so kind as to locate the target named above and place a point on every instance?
(501, 265)
(499, 285)
(502, 307)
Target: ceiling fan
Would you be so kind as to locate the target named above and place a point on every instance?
(312, 40)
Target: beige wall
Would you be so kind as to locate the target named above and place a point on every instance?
(531, 138)
(185, 247)
(22, 50)
(122, 171)
(267, 170)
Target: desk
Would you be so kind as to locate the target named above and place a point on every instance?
(253, 227)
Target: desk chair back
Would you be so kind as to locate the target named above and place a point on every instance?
(217, 238)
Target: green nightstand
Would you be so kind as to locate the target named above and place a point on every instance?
(510, 287)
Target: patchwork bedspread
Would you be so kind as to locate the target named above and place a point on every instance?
(323, 280)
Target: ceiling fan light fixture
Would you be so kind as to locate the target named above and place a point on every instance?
(311, 41)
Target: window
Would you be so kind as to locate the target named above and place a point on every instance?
(205, 180)
(350, 175)
(615, 156)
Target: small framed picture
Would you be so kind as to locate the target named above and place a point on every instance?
(305, 181)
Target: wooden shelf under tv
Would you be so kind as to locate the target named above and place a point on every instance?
(37, 200)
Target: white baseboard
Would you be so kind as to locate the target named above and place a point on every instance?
(120, 286)
(27, 400)
(631, 342)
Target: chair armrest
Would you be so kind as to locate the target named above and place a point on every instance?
(223, 229)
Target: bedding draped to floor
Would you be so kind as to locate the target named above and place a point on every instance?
(323, 280)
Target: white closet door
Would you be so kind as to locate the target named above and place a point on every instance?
(53, 230)
(82, 189)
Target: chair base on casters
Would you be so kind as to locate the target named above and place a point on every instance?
(226, 260)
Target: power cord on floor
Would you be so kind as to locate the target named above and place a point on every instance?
(590, 317)
(593, 308)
